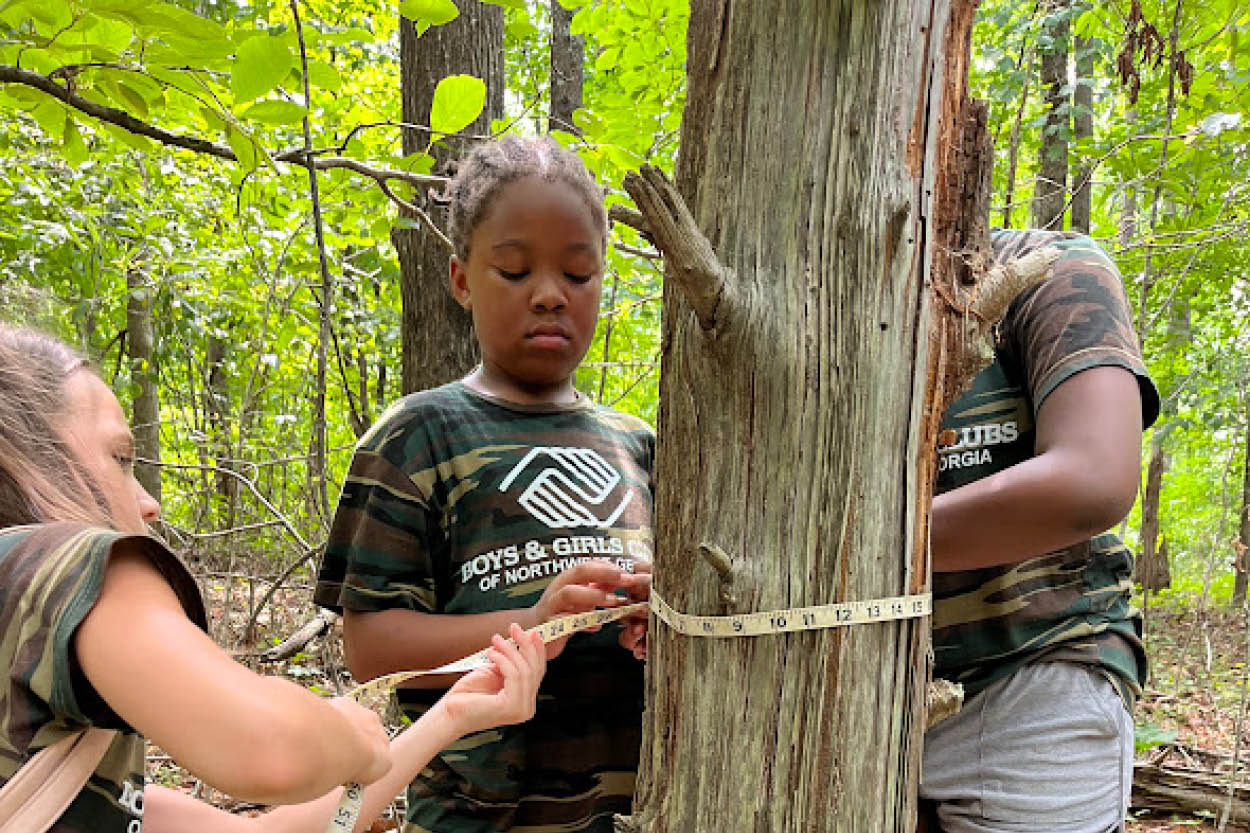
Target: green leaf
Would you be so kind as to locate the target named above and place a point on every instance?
(72, 145)
(607, 59)
(519, 5)
(572, 5)
(429, 12)
(243, 148)
(587, 122)
(212, 118)
(133, 101)
(458, 101)
(353, 35)
(520, 28)
(259, 65)
(324, 76)
(381, 228)
(275, 112)
(417, 163)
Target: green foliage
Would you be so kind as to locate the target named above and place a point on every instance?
(229, 247)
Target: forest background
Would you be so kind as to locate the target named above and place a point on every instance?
(155, 209)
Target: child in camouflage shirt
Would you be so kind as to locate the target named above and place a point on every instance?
(508, 497)
(1031, 601)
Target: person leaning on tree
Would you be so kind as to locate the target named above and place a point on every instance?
(1032, 609)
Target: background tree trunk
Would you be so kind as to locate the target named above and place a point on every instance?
(1050, 193)
(1241, 574)
(568, 56)
(438, 343)
(799, 404)
(1082, 128)
(145, 416)
(1150, 573)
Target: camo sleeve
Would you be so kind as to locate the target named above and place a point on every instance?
(378, 555)
(1078, 319)
(50, 578)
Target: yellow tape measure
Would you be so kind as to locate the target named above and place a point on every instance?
(793, 618)
(788, 620)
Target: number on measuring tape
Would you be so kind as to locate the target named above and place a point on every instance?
(809, 619)
(739, 625)
(874, 611)
(843, 614)
(777, 621)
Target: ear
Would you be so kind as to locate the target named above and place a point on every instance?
(459, 282)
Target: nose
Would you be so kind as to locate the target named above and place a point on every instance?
(149, 508)
(549, 292)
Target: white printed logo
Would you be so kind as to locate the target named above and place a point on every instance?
(571, 491)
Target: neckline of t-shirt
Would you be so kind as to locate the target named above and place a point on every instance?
(582, 402)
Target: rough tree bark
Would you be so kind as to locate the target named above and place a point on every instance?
(568, 56)
(836, 179)
(438, 343)
(145, 417)
(1050, 193)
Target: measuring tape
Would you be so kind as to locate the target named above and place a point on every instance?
(788, 620)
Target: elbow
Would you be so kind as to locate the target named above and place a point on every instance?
(285, 766)
(1101, 503)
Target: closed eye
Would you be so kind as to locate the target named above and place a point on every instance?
(512, 276)
(578, 278)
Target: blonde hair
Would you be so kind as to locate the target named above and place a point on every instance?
(40, 479)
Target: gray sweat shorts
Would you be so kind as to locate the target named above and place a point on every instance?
(1047, 750)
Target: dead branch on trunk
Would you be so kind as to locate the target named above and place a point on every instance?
(688, 256)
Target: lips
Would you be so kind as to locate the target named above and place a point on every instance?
(548, 335)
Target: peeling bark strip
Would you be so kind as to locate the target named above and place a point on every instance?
(799, 401)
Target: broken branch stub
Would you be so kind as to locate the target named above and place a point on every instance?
(688, 255)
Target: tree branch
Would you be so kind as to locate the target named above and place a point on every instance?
(124, 120)
(688, 255)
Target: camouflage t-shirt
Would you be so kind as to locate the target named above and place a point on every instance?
(50, 576)
(460, 503)
(1071, 605)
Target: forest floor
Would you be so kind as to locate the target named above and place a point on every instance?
(1191, 712)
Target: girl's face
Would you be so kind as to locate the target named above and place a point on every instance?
(532, 282)
(95, 429)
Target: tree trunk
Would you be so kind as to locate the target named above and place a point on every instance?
(568, 56)
(217, 406)
(145, 417)
(1013, 146)
(1050, 194)
(1241, 574)
(438, 343)
(1151, 574)
(799, 404)
(1082, 128)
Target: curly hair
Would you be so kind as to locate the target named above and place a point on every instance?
(492, 165)
(40, 478)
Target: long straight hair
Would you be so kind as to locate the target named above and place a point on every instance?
(40, 479)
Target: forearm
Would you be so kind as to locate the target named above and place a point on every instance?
(411, 750)
(387, 641)
(1039, 506)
